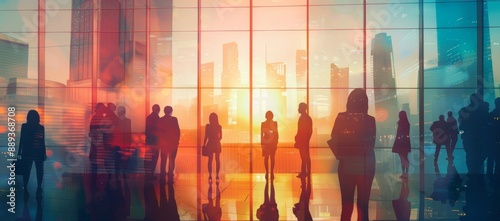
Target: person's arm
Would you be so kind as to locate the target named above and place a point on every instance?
(177, 131)
(206, 137)
(129, 132)
(277, 134)
(261, 133)
(21, 141)
(373, 132)
(220, 132)
(43, 143)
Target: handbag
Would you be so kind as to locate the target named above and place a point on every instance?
(204, 151)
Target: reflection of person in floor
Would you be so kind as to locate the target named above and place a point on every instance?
(211, 211)
(447, 187)
(114, 203)
(269, 209)
(301, 209)
(168, 207)
(402, 206)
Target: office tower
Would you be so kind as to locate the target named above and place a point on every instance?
(339, 84)
(384, 83)
(230, 79)
(276, 82)
(301, 68)
(13, 58)
(207, 90)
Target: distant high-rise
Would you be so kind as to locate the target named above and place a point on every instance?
(339, 84)
(301, 68)
(384, 83)
(13, 58)
(121, 48)
(276, 82)
(207, 89)
(230, 70)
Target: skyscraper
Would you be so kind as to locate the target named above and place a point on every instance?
(230, 79)
(13, 58)
(384, 83)
(276, 82)
(301, 68)
(339, 84)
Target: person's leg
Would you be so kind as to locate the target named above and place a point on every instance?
(266, 163)
(26, 173)
(308, 161)
(117, 158)
(171, 162)
(436, 154)
(217, 164)
(273, 160)
(210, 158)
(449, 152)
(406, 162)
(402, 163)
(154, 158)
(364, 184)
(302, 161)
(347, 187)
(39, 176)
(163, 162)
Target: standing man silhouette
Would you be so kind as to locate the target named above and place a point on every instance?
(123, 141)
(152, 141)
(304, 132)
(441, 136)
(169, 141)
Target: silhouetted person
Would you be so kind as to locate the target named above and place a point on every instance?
(210, 210)
(152, 133)
(269, 141)
(269, 209)
(32, 149)
(452, 123)
(304, 132)
(354, 138)
(401, 206)
(96, 135)
(111, 148)
(441, 136)
(495, 141)
(169, 141)
(123, 139)
(402, 144)
(473, 122)
(301, 209)
(213, 135)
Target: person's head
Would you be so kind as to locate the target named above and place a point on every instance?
(403, 116)
(120, 111)
(168, 110)
(302, 108)
(269, 115)
(497, 102)
(450, 114)
(441, 117)
(33, 117)
(357, 102)
(100, 108)
(476, 98)
(213, 119)
(156, 109)
(111, 107)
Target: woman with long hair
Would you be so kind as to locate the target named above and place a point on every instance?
(269, 141)
(402, 143)
(353, 135)
(32, 149)
(213, 135)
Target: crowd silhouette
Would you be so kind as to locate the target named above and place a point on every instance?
(352, 142)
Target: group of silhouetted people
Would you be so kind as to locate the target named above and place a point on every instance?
(111, 139)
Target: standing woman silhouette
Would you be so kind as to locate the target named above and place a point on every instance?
(402, 143)
(354, 136)
(213, 135)
(32, 149)
(269, 141)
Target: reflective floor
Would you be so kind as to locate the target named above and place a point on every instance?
(446, 194)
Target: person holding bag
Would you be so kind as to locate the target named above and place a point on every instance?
(269, 141)
(402, 144)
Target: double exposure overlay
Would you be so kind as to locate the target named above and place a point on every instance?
(94, 71)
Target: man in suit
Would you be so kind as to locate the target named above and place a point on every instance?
(152, 132)
(304, 132)
(169, 141)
